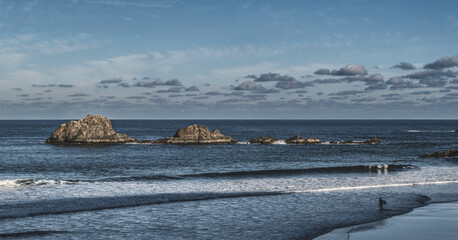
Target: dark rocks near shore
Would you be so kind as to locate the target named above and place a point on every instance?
(444, 154)
(195, 134)
(93, 129)
(301, 140)
(370, 141)
(262, 140)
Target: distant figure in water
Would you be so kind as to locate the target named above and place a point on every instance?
(381, 202)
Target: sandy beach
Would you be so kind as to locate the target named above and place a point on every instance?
(435, 221)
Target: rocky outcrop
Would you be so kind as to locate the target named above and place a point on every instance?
(444, 154)
(195, 134)
(262, 140)
(93, 129)
(301, 140)
(370, 141)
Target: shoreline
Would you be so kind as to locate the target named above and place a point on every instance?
(431, 221)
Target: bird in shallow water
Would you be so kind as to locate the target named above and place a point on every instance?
(381, 202)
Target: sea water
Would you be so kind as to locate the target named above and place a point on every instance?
(239, 191)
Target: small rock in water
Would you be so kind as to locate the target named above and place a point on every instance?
(195, 134)
(301, 140)
(444, 154)
(93, 129)
(262, 140)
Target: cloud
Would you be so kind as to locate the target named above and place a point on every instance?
(65, 85)
(433, 82)
(172, 82)
(454, 81)
(376, 86)
(192, 89)
(404, 66)
(392, 96)
(272, 90)
(322, 71)
(325, 81)
(124, 85)
(213, 93)
(271, 77)
(421, 93)
(136, 97)
(249, 86)
(373, 79)
(109, 81)
(445, 62)
(346, 93)
(174, 90)
(78, 95)
(350, 70)
(431, 74)
(291, 84)
(16, 89)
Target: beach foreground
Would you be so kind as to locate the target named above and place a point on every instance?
(435, 221)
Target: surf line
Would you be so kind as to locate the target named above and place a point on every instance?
(372, 186)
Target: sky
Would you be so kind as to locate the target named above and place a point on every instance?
(224, 59)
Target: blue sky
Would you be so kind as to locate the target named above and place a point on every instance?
(229, 59)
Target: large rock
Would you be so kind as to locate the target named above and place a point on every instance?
(370, 141)
(444, 154)
(93, 129)
(195, 134)
(301, 140)
(262, 140)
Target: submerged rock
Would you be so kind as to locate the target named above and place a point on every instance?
(93, 129)
(370, 141)
(195, 134)
(444, 154)
(301, 140)
(262, 140)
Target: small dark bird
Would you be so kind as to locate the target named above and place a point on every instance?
(381, 202)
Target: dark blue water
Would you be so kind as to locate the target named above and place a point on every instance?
(240, 191)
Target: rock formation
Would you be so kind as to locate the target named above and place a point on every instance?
(195, 134)
(300, 140)
(93, 129)
(262, 140)
(370, 141)
(444, 154)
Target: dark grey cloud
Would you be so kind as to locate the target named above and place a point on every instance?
(322, 71)
(291, 84)
(346, 93)
(445, 62)
(38, 85)
(124, 85)
(272, 90)
(374, 80)
(175, 95)
(350, 70)
(16, 89)
(271, 77)
(146, 84)
(364, 99)
(452, 87)
(78, 95)
(431, 74)
(110, 81)
(325, 81)
(23, 95)
(445, 90)
(191, 95)
(136, 97)
(392, 97)
(146, 78)
(147, 93)
(252, 76)
(213, 93)
(255, 97)
(297, 92)
(404, 66)
(249, 86)
(398, 83)
(174, 90)
(421, 93)
(433, 82)
(200, 97)
(192, 89)
(454, 81)
(320, 93)
(172, 82)
(47, 91)
(65, 85)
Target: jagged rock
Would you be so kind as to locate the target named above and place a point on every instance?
(93, 129)
(370, 141)
(444, 154)
(195, 134)
(262, 140)
(301, 140)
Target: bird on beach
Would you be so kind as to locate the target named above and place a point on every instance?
(381, 202)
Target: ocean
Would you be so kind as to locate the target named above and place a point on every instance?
(240, 191)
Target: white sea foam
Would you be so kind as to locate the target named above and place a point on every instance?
(24, 182)
(279, 142)
(243, 143)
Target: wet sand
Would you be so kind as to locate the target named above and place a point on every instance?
(435, 221)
